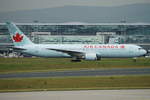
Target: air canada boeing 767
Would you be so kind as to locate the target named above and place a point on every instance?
(76, 51)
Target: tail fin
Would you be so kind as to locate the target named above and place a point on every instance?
(18, 37)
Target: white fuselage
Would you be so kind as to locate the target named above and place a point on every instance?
(101, 50)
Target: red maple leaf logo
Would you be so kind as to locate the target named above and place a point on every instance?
(122, 46)
(17, 37)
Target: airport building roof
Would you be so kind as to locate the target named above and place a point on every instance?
(79, 23)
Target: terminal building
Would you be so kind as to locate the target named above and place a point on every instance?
(77, 33)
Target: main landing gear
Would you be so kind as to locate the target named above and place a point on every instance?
(75, 59)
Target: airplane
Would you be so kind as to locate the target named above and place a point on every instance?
(77, 52)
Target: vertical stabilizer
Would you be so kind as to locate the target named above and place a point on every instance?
(17, 36)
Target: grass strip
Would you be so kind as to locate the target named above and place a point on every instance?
(8, 65)
(75, 83)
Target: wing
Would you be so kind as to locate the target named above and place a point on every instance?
(72, 53)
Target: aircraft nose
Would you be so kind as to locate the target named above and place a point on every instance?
(144, 52)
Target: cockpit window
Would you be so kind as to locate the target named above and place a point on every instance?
(140, 48)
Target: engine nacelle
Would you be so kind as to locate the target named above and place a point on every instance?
(90, 56)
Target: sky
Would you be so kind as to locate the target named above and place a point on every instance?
(18, 5)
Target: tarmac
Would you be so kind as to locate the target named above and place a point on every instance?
(76, 73)
(137, 94)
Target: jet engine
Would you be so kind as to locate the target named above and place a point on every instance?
(90, 56)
